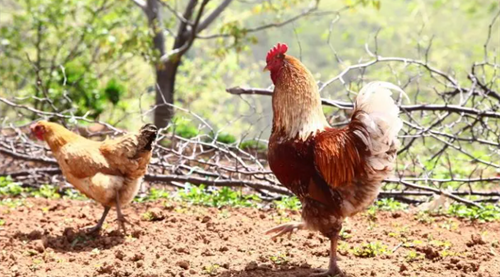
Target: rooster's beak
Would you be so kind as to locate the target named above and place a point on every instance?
(265, 69)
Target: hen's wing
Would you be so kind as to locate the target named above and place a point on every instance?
(130, 153)
(83, 159)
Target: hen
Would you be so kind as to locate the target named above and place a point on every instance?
(335, 173)
(109, 172)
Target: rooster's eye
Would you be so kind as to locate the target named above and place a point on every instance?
(280, 56)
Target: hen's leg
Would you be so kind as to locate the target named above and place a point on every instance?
(99, 223)
(287, 228)
(119, 216)
(333, 268)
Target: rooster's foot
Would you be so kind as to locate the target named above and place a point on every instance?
(328, 273)
(288, 228)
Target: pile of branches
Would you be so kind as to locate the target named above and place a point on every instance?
(450, 140)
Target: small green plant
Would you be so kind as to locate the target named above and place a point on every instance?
(12, 203)
(368, 250)
(371, 213)
(217, 198)
(74, 194)
(253, 145)
(147, 216)
(288, 203)
(184, 128)
(345, 233)
(10, 188)
(152, 195)
(2, 222)
(46, 191)
(211, 269)
(414, 256)
(424, 217)
(279, 259)
(389, 204)
(487, 213)
(224, 138)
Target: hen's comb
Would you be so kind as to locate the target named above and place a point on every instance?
(280, 48)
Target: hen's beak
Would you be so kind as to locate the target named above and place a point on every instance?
(265, 69)
(32, 127)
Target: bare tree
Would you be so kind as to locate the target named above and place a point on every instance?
(191, 23)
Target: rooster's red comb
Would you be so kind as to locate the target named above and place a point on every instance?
(280, 48)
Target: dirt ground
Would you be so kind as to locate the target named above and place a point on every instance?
(40, 238)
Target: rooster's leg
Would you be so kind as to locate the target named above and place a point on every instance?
(99, 224)
(287, 228)
(333, 268)
(119, 216)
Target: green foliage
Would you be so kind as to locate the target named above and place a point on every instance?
(288, 203)
(218, 198)
(279, 259)
(10, 188)
(184, 128)
(73, 194)
(488, 212)
(65, 50)
(389, 204)
(369, 250)
(226, 138)
(46, 191)
(152, 195)
(114, 91)
(253, 145)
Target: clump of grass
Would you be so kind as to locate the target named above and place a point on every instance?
(279, 259)
(389, 204)
(487, 213)
(152, 195)
(414, 256)
(288, 203)
(253, 145)
(199, 195)
(369, 250)
(46, 191)
(10, 188)
(424, 217)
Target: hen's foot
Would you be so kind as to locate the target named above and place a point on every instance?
(288, 228)
(91, 230)
(121, 221)
(98, 227)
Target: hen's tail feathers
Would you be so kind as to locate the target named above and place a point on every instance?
(147, 136)
(378, 113)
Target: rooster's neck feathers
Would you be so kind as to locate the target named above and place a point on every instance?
(297, 111)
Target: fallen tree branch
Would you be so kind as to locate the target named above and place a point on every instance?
(436, 191)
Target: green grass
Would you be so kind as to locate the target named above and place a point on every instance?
(288, 203)
(369, 250)
(389, 204)
(487, 213)
(13, 192)
(199, 195)
(154, 194)
(10, 188)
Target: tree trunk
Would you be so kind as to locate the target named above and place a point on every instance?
(165, 86)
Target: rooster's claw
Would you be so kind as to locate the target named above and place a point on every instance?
(289, 228)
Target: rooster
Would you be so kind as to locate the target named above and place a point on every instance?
(335, 173)
(109, 172)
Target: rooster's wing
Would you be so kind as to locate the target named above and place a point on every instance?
(339, 155)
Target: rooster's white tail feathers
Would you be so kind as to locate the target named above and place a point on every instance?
(380, 116)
